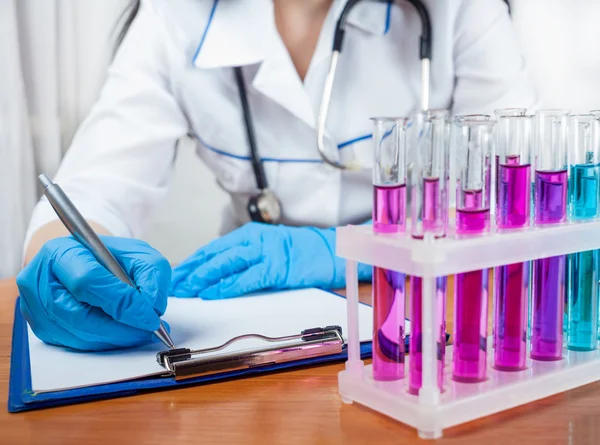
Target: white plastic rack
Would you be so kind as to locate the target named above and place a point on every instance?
(431, 412)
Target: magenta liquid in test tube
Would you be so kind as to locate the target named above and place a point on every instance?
(474, 151)
(550, 207)
(514, 140)
(389, 216)
(428, 188)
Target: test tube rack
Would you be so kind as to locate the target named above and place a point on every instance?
(430, 412)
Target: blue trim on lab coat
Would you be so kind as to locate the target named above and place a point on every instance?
(282, 160)
(388, 17)
(210, 18)
(355, 140)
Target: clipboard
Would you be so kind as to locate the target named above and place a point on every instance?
(184, 367)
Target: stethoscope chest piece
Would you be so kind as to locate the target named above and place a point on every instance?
(265, 208)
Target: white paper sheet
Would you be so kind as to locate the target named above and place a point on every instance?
(196, 324)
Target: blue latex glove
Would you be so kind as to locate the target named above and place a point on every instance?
(261, 256)
(69, 299)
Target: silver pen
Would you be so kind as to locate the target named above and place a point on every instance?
(81, 230)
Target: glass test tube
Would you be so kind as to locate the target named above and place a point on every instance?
(499, 113)
(428, 186)
(550, 207)
(502, 112)
(389, 216)
(472, 217)
(455, 131)
(513, 210)
(596, 114)
(584, 192)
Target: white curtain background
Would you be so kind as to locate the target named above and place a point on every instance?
(54, 56)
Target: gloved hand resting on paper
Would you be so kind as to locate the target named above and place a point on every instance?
(69, 299)
(262, 257)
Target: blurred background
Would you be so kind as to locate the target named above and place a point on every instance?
(54, 58)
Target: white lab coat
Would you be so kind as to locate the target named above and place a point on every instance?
(173, 76)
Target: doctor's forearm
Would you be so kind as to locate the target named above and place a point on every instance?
(52, 230)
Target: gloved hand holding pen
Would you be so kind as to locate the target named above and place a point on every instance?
(259, 257)
(70, 299)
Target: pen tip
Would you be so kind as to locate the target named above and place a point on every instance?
(164, 336)
(44, 180)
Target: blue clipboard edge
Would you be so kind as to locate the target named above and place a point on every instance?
(22, 398)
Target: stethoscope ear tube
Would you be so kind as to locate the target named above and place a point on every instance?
(338, 40)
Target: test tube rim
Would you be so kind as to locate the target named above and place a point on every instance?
(444, 113)
(553, 112)
(583, 116)
(498, 111)
(462, 117)
(390, 119)
(476, 123)
(525, 116)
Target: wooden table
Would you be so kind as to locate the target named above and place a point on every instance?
(301, 406)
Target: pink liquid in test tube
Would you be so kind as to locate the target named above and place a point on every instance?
(512, 281)
(469, 362)
(389, 289)
(389, 209)
(431, 206)
(510, 317)
(470, 332)
(431, 221)
(415, 376)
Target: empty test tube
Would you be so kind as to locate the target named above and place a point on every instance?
(428, 188)
(584, 192)
(389, 216)
(550, 207)
(511, 282)
(474, 149)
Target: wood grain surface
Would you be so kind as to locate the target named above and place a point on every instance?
(295, 407)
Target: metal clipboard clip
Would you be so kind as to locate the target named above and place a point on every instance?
(185, 363)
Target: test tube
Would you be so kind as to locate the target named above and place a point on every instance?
(550, 207)
(428, 187)
(389, 216)
(500, 113)
(584, 190)
(472, 217)
(513, 209)
(455, 130)
(596, 114)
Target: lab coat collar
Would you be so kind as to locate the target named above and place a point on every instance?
(243, 32)
(240, 32)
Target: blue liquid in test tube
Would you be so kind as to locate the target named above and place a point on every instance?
(584, 192)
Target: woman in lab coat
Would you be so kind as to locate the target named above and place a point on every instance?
(173, 75)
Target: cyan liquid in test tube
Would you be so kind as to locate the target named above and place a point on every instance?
(584, 192)
(596, 114)
(389, 216)
(550, 207)
(511, 287)
(428, 188)
(474, 151)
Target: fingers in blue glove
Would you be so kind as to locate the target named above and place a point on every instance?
(71, 300)
(74, 266)
(220, 266)
(250, 280)
(241, 236)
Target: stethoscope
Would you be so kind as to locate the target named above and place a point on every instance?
(265, 207)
